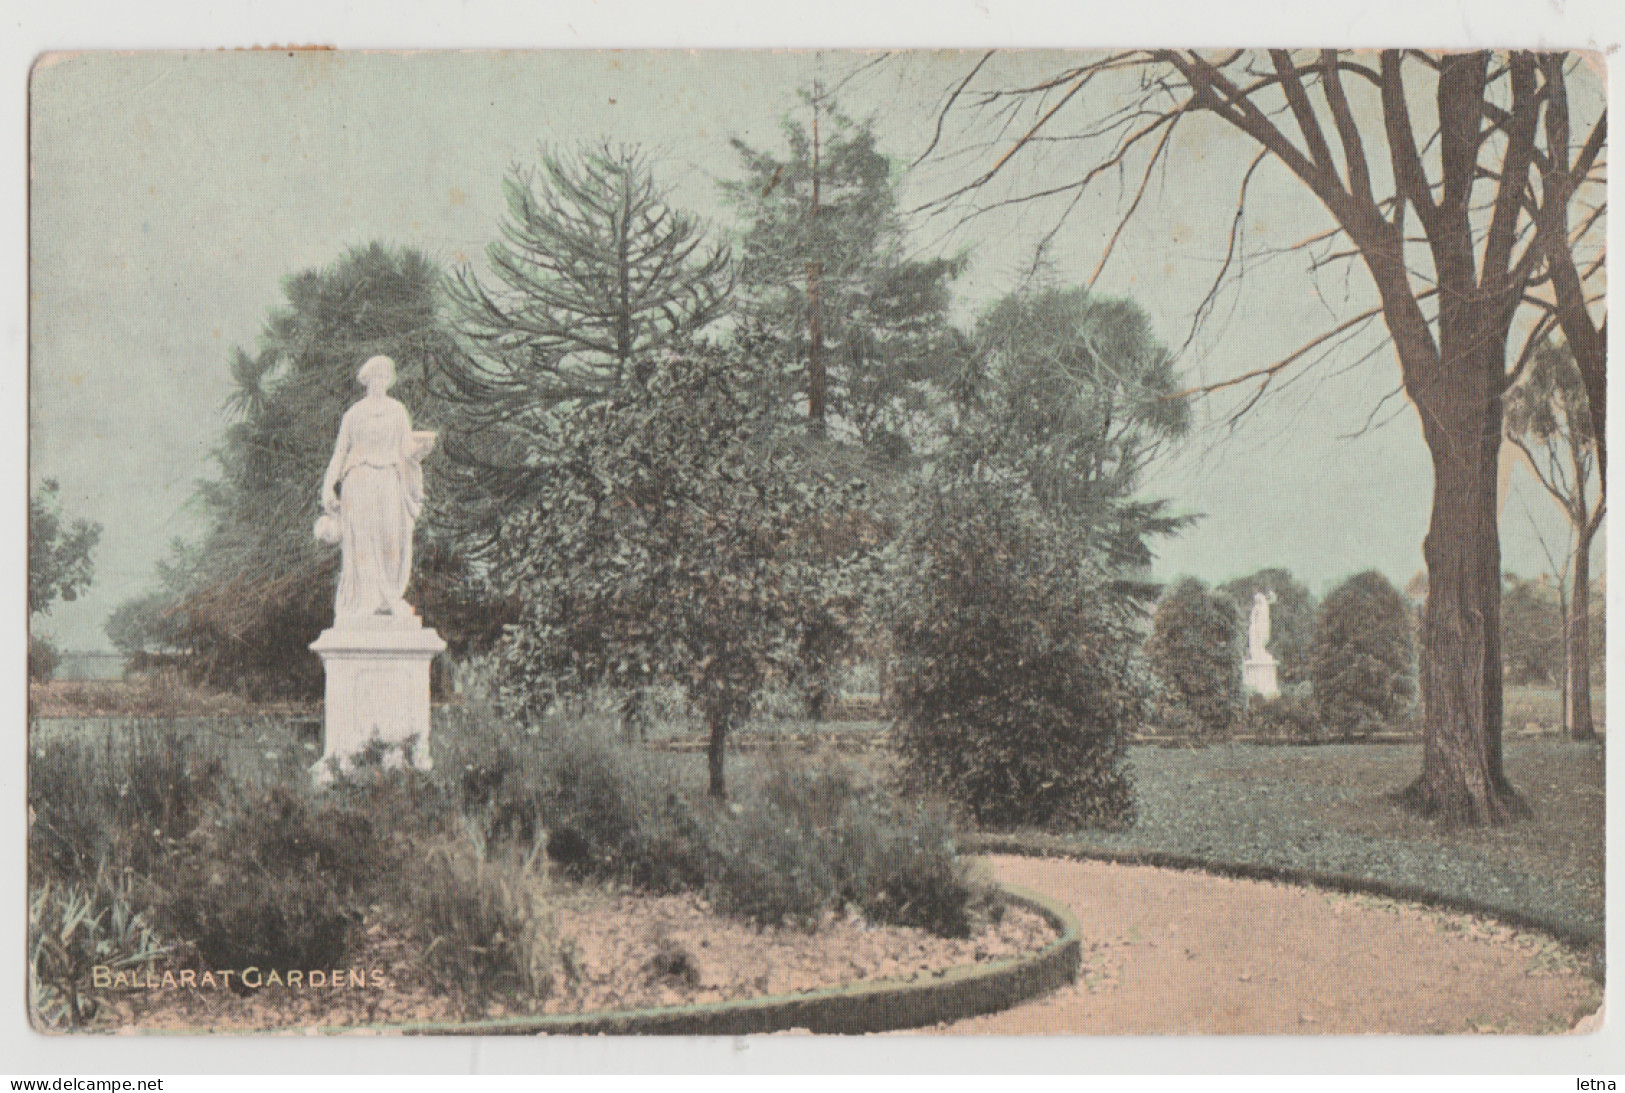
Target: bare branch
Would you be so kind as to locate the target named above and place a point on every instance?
(942, 115)
(1289, 359)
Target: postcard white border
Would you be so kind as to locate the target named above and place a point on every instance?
(31, 27)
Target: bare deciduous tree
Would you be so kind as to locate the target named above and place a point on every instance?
(1473, 209)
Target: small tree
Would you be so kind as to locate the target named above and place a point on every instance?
(1195, 652)
(1364, 665)
(59, 562)
(1292, 617)
(1532, 631)
(675, 539)
(59, 567)
(1017, 680)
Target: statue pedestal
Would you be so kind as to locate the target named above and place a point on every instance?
(1259, 675)
(377, 689)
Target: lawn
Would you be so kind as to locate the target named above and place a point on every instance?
(1327, 809)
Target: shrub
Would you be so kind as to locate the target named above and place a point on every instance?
(42, 659)
(1365, 655)
(797, 844)
(118, 804)
(1291, 715)
(806, 841)
(72, 929)
(485, 922)
(1195, 653)
(771, 866)
(1017, 680)
(276, 882)
(604, 810)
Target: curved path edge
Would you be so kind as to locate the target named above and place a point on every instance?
(1577, 937)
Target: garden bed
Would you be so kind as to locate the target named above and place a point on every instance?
(620, 951)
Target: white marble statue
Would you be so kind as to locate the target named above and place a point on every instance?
(371, 497)
(1258, 628)
(377, 654)
(1258, 670)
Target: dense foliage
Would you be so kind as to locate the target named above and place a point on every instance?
(1531, 632)
(59, 567)
(1016, 678)
(826, 276)
(1364, 655)
(675, 537)
(243, 607)
(1082, 384)
(59, 553)
(1195, 650)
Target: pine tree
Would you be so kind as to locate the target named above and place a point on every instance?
(824, 272)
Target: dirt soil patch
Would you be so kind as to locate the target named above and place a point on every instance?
(1168, 951)
(617, 951)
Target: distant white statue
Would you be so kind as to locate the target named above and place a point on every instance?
(1258, 670)
(1258, 628)
(371, 497)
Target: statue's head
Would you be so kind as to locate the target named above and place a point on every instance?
(377, 374)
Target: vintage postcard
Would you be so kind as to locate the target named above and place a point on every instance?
(711, 543)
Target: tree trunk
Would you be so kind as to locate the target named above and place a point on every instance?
(1577, 662)
(1459, 400)
(817, 384)
(717, 786)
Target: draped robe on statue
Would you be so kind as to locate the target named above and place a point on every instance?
(378, 473)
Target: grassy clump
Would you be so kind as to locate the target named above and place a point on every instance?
(811, 839)
(115, 804)
(487, 922)
(278, 881)
(73, 929)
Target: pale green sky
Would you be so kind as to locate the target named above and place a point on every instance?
(172, 192)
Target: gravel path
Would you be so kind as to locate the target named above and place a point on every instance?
(1167, 951)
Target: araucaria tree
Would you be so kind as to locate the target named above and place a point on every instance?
(1469, 187)
(1364, 666)
(1548, 418)
(593, 272)
(673, 536)
(824, 273)
(594, 268)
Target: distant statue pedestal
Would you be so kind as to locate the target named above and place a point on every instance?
(1258, 676)
(377, 690)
